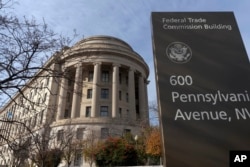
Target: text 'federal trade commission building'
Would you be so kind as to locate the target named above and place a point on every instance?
(98, 86)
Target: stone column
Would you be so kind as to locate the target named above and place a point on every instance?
(62, 98)
(77, 92)
(131, 87)
(54, 87)
(115, 87)
(142, 95)
(96, 89)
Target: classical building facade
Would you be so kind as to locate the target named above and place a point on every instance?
(98, 85)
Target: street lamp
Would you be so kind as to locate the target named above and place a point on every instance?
(136, 138)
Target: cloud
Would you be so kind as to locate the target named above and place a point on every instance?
(128, 20)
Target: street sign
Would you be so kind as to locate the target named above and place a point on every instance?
(203, 87)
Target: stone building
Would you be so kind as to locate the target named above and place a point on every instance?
(103, 90)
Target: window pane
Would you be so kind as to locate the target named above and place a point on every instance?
(104, 111)
(47, 81)
(89, 93)
(41, 116)
(105, 76)
(126, 131)
(79, 133)
(120, 95)
(88, 111)
(120, 78)
(78, 157)
(104, 93)
(120, 112)
(34, 121)
(60, 135)
(66, 113)
(127, 97)
(126, 80)
(90, 77)
(45, 97)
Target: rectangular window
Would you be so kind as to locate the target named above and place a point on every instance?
(104, 93)
(26, 125)
(68, 97)
(120, 78)
(21, 100)
(80, 133)
(60, 135)
(90, 77)
(88, 111)
(127, 97)
(104, 133)
(66, 113)
(35, 91)
(137, 112)
(126, 80)
(89, 93)
(78, 158)
(47, 81)
(120, 95)
(41, 116)
(105, 76)
(31, 95)
(120, 112)
(34, 121)
(45, 97)
(126, 131)
(41, 86)
(104, 111)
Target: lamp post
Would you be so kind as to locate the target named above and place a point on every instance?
(136, 138)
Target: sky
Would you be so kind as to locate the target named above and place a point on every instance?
(128, 20)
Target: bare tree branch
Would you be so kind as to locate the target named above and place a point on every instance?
(25, 50)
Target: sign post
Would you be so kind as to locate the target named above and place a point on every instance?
(203, 87)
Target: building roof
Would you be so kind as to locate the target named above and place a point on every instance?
(102, 43)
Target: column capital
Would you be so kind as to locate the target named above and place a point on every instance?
(142, 75)
(116, 65)
(65, 71)
(78, 65)
(132, 69)
(144, 78)
(97, 63)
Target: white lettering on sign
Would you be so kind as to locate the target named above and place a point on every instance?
(240, 158)
(201, 115)
(213, 98)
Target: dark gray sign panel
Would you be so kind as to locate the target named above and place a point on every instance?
(203, 87)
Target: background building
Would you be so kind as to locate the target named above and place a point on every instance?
(99, 85)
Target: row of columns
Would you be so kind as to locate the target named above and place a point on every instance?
(76, 101)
